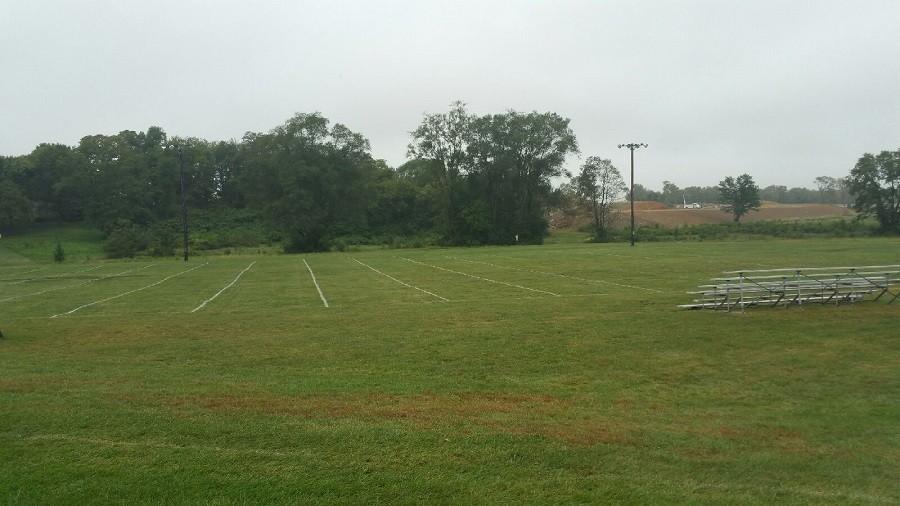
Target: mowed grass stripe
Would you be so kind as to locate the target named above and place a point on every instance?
(151, 285)
(66, 287)
(229, 285)
(489, 280)
(401, 282)
(22, 274)
(566, 276)
(56, 276)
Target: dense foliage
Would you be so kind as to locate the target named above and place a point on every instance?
(310, 185)
(875, 184)
(306, 183)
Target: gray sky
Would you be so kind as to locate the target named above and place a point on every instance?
(784, 90)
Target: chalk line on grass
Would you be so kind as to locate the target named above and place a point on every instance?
(151, 285)
(401, 282)
(74, 286)
(561, 275)
(481, 278)
(318, 289)
(56, 276)
(229, 285)
(23, 273)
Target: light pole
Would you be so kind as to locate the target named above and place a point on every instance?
(632, 146)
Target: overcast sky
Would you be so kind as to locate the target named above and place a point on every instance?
(784, 90)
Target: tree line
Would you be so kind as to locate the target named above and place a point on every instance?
(470, 179)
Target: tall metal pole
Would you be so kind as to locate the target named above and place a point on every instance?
(631, 147)
(632, 196)
(184, 216)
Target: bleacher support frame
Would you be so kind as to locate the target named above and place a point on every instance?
(797, 286)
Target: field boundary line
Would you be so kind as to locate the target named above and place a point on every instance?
(151, 285)
(315, 282)
(481, 278)
(56, 276)
(17, 297)
(229, 285)
(401, 282)
(560, 275)
(24, 273)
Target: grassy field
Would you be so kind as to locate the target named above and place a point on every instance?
(555, 374)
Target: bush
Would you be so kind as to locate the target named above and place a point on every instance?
(125, 241)
(59, 255)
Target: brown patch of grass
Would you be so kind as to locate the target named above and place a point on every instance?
(518, 414)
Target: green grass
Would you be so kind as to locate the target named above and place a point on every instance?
(604, 394)
(80, 243)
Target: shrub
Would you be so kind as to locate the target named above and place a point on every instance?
(125, 241)
(59, 255)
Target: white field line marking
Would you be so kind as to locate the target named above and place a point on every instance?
(401, 282)
(483, 279)
(151, 285)
(229, 285)
(24, 273)
(562, 275)
(74, 286)
(57, 276)
(313, 276)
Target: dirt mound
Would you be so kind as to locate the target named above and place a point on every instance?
(642, 205)
(679, 217)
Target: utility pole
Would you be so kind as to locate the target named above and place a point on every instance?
(184, 215)
(632, 146)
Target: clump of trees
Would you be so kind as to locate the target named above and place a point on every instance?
(492, 174)
(471, 180)
(875, 185)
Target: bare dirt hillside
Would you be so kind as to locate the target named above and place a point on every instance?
(655, 213)
(768, 211)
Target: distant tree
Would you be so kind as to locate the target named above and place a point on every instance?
(875, 186)
(641, 192)
(15, 207)
(739, 196)
(59, 254)
(843, 191)
(827, 187)
(599, 184)
(514, 157)
(443, 139)
(671, 193)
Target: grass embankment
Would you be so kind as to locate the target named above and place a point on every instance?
(81, 243)
(553, 374)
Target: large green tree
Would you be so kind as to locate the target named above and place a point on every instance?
(15, 208)
(312, 180)
(599, 184)
(738, 196)
(875, 186)
(443, 140)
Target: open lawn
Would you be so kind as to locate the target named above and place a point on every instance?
(550, 374)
